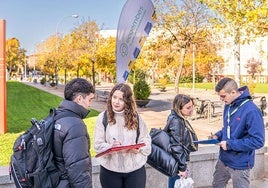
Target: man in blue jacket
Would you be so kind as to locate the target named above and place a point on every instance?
(242, 133)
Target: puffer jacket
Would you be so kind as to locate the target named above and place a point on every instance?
(179, 139)
(71, 147)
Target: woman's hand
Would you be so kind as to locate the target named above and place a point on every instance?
(116, 142)
(183, 174)
(135, 150)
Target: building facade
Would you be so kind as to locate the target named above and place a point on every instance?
(258, 49)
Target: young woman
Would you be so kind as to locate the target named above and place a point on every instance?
(122, 169)
(182, 134)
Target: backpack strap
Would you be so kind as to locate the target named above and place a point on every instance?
(104, 120)
(105, 123)
(138, 128)
(61, 114)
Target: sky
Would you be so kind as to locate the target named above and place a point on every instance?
(33, 21)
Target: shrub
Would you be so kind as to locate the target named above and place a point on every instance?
(141, 90)
(162, 84)
(43, 81)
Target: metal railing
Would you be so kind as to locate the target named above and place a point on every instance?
(206, 108)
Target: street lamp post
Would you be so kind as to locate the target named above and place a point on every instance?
(193, 48)
(56, 67)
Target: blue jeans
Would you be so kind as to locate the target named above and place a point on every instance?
(171, 181)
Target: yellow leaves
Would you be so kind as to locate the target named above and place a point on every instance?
(243, 14)
(12, 43)
(15, 56)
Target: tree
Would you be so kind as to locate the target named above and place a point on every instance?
(76, 51)
(254, 67)
(161, 59)
(85, 38)
(106, 58)
(158, 57)
(241, 19)
(15, 56)
(184, 23)
(22, 61)
(67, 55)
(81, 52)
(46, 56)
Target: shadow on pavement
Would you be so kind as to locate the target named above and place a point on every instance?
(158, 105)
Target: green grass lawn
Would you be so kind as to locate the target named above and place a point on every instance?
(23, 103)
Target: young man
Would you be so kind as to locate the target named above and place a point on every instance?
(242, 133)
(71, 142)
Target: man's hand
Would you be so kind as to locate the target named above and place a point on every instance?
(212, 136)
(223, 145)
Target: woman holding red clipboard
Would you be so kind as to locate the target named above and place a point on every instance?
(122, 168)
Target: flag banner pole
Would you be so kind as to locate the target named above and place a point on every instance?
(135, 24)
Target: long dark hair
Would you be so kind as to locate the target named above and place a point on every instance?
(130, 109)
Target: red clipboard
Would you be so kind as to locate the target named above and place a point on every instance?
(120, 148)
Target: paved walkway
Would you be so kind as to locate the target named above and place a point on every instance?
(157, 110)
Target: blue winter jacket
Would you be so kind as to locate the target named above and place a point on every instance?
(246, 132)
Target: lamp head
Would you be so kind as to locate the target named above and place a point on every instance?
(75, 16)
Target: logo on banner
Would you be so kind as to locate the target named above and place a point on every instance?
(124, 49)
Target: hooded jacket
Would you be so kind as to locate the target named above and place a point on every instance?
(246, 132)
(71, 146)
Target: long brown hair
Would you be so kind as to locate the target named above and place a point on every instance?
(130, 109)
(179, 101)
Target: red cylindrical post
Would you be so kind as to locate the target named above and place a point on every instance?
(3, 109)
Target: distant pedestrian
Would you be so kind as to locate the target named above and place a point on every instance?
(263, 105)
(242, 133)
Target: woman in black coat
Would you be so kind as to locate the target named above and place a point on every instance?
(181, 133)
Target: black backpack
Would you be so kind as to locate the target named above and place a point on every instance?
(105, 123)
(32, 164)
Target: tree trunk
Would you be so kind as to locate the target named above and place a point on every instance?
(177, 79)
(93, 73)
(237, 57)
